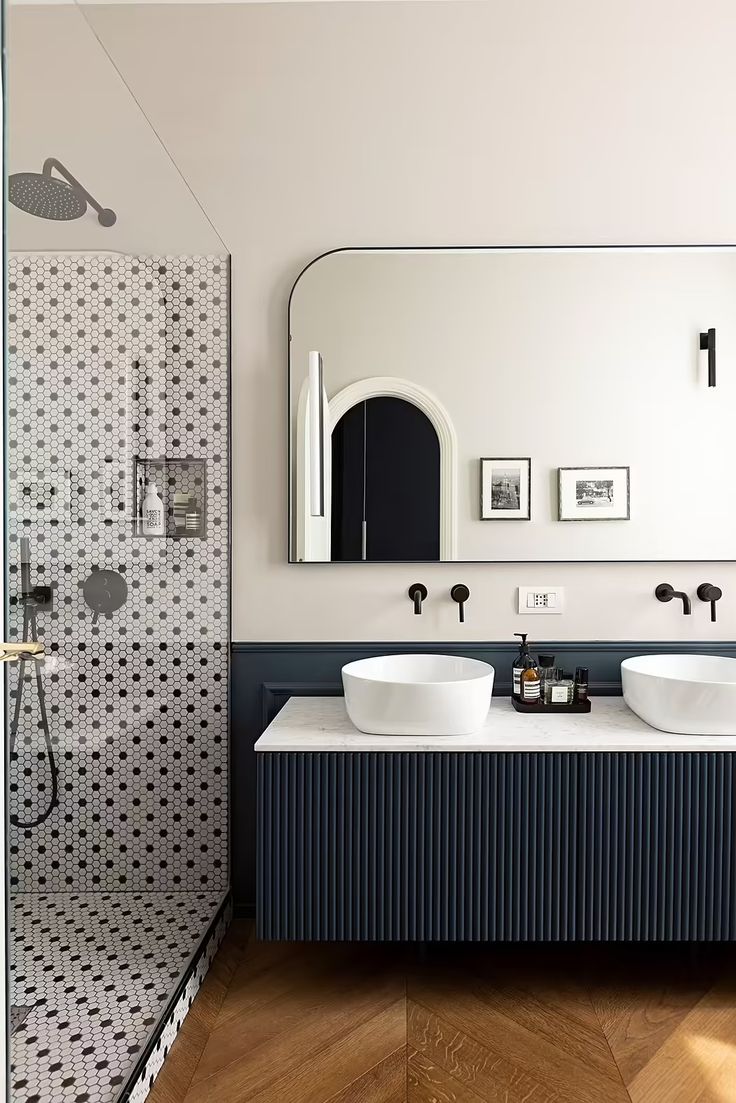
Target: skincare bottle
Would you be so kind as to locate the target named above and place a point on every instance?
(581, 684)
(518, 665)
(153, 512)
(547, 673)
(561, 691)
(530, 681)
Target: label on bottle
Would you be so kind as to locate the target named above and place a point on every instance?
(153, 521)
(559, 695)
(517, 680)
(530, 690)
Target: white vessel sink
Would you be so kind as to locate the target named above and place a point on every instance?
(684, 694)
(418, 694)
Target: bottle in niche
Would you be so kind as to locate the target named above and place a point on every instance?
(154, 523)
(518, 665)
(530, 681)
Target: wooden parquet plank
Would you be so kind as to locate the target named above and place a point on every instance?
(384, 1083)
(430, 1083)
(453, 1000)
(252, 1050)
(638, 1019)
(565, 1019)
(334, 1069)
(262, 962)
(484, 1069)
(178, 1069)
(696, 1056)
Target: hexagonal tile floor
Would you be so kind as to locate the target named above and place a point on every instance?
(97, 970)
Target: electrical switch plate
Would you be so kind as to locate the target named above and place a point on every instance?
(541, 599)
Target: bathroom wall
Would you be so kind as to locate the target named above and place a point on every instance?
(306, 127)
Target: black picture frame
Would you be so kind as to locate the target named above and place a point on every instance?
(591, 517)
(499, 514)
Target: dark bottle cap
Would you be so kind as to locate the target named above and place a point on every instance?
(546, 660)
(581, 674)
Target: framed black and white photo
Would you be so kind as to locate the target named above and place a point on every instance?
(505, 489)
(594, 493)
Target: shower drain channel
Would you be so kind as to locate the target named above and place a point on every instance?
(18, 1015)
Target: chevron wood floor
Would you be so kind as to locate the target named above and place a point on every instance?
(281, 1023)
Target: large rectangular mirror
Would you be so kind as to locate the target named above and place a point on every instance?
(570, 404)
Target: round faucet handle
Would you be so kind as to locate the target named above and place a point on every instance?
(460, 593)
(708, 592)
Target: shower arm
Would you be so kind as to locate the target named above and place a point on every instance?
(51, 163)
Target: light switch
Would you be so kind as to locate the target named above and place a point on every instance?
(541, 599)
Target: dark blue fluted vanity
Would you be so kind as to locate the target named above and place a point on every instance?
(553, 828)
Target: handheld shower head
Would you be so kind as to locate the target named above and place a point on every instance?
(45, 196)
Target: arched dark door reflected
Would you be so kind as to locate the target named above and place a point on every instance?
(385, 483)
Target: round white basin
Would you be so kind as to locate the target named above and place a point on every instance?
(683, 694)
(418, 694)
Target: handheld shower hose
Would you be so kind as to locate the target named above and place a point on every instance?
(30, 635)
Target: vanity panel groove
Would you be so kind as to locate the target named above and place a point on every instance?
(485, 846)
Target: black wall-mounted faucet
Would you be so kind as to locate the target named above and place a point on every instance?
(706, 592)
(418, 594)
(708, 344)
(460, 593)
(665, 592)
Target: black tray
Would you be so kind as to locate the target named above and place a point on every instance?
(576, 706)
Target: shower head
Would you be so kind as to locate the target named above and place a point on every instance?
(46, 196)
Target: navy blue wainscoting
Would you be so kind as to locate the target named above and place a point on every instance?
(265, 676)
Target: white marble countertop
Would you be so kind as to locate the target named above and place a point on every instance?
(322, 724)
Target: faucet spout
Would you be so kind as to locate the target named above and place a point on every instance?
(418, 594)
(665, 592)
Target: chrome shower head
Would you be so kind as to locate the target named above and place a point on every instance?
(45, 196)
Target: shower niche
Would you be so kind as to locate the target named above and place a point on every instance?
(182, 486)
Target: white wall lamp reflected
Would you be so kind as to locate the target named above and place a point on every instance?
(316, 437)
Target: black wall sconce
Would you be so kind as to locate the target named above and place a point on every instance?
(708, 343)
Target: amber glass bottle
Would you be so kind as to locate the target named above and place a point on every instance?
(530, 682)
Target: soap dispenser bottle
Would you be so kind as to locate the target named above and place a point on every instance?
(153, 512)
(518, 665)
(530, 681)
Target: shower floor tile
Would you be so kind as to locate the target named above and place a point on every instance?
(97, 970)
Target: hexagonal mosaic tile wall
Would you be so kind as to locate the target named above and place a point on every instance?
(115, 361)
(113, 358)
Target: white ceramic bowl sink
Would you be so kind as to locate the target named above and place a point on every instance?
(418, 694)
(684, 694)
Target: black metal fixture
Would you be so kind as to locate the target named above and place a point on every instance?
(104, 592)
(460, 593)
(708, 343)
(45, 196)
(707, 592)
(32, 598)
(665, 592)
(418, 594)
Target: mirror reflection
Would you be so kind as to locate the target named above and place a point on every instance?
(512, 405)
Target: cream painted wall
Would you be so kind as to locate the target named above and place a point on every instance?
(306, 127)
(67, 101)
